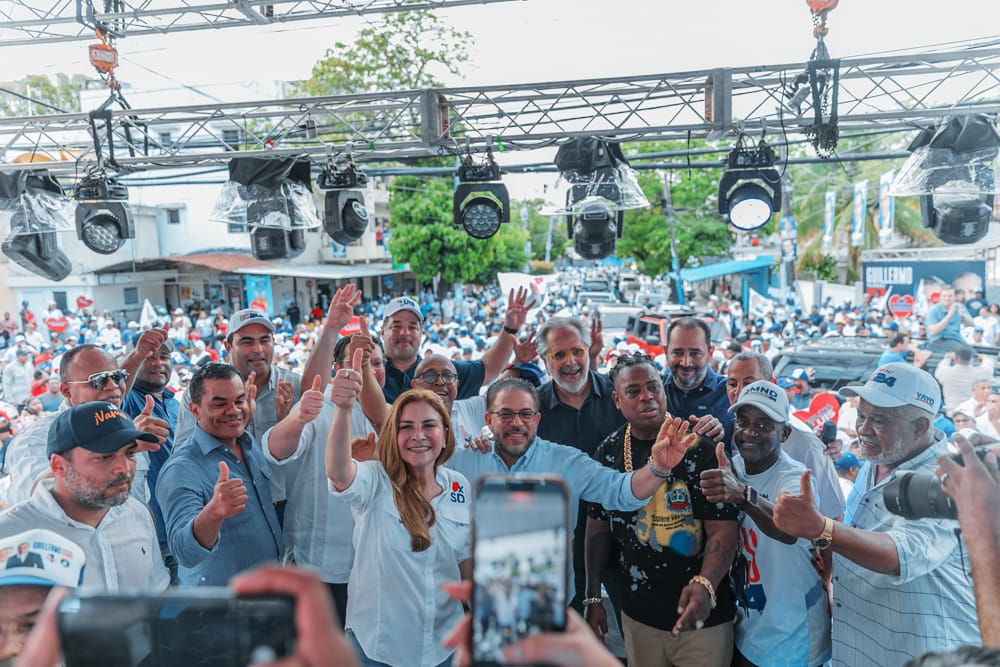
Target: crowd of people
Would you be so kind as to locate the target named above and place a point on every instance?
(712, 520)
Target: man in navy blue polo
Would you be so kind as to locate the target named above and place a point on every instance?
(693, 388)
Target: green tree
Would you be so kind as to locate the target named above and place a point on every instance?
(38, 94)
(699, 230)
(538, 227)
(402, 51)
(424, 236)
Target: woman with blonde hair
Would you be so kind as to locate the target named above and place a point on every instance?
(411, 527)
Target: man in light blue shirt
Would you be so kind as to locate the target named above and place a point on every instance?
(512, 415)
(900, 585)
(215, 489)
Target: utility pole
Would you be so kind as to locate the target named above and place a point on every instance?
(525, 216)
(675, 265)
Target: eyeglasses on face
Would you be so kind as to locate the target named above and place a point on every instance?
(560, 355)
(508, 416)
(98, 380)
(431, 377)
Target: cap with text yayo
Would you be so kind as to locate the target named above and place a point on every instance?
(403, 303)
(97, 426)
(767, 397)
(40, 558)
(897, 384)
(242, 318)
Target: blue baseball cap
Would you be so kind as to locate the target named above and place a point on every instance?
(97, 426)
(531, 373)
(785, 382)
(847, 461)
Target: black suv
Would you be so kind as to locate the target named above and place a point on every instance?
(841, 359)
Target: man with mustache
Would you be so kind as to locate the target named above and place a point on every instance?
(693, 388)
(92, 449)
(88, 373)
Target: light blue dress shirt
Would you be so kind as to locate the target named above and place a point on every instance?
(186, 484)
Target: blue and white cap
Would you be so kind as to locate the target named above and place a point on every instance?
(767, 397)
(897, 384)
(40, 558)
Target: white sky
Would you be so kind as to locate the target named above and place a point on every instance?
(542, 40)
(535, 40)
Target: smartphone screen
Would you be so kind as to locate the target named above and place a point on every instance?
(188, 628)
(520, 557)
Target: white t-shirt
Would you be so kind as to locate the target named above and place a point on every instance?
(318, 526)
(395, 606)
(784, 616)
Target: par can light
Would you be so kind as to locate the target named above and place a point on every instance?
(750, 188)
(103, 221)
(481, 203)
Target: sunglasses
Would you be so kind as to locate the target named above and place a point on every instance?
(98, 380)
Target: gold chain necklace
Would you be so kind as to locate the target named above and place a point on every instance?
(627, 450)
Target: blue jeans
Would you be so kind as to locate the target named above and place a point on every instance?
(368, 662)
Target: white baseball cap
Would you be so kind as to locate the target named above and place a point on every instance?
(897, 384)
(242, 318)
(766, 396)
(49, 560)
(403, 303)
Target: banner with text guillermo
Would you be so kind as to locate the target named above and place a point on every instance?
(914, 286)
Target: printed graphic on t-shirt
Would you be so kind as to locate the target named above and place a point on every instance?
(745, 574)
(667, 521)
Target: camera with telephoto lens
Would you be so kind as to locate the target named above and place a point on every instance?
(918, 495)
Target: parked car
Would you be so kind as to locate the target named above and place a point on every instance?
(838, 360)
(648, 329)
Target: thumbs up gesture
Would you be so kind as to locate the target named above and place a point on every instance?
(229, 497)
(145, 421)
(796, 514)
(721, 485)
(311, 403)
(346, 384)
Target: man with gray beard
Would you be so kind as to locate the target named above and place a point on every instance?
(92, 449)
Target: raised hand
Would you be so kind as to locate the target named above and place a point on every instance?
(250, 389)
(283, 399)
(342, 307)
(346, 384)
(797, 514)
(525, 350)
(145, 421)
(230, 495)
(311, 403)
(517, 309)
(150, 341)
(672, 442)
(721, 485)
(596, 338)
(363, 449)
(361, 341)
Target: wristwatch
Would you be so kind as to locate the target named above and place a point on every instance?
(749, 497)
(825, 538)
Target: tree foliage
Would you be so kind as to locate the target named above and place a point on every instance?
(699, 230)
(38, 94)
(424, 236)
(402, 51)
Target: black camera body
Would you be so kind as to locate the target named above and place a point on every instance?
(918, 495)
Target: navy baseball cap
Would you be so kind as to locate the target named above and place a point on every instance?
(97, 426)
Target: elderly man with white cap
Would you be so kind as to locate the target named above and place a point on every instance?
(784, 614)
(900, 585)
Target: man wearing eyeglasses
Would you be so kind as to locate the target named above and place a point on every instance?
(513, 415)
(88, 374)
(402, 334)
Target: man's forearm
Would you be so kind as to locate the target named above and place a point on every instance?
(206, 528)
(495, 359)
(283, 438)
(720, 550)
(762, 513)
(983, 543)
(320, 359)
(871, 550)
(597, 554)
(372, 399)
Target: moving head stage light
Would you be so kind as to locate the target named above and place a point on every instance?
(40, 209)
(103, 221)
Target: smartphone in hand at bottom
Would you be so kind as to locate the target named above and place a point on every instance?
(520, 549)
(179, 629)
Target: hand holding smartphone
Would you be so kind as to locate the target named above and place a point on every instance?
(520, 554)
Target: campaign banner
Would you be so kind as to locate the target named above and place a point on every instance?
(829, 215)
(909, 287)
(258, 293)
(886, 207)
(858, 208)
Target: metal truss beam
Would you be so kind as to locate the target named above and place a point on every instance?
(899, 93)
(24, 22)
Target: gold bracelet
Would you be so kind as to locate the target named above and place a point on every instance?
(698, 579)
(590, 602)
